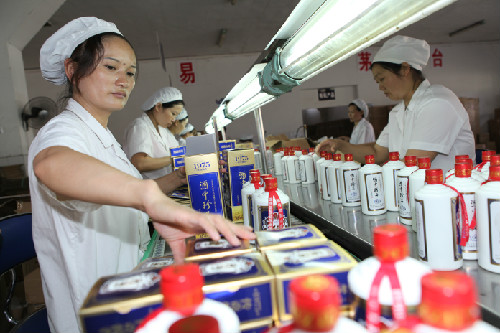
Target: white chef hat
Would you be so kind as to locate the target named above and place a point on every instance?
(187, 129)
(401, 49)
(182, 115)
(162, 95)
(58, 47)
(362, 106)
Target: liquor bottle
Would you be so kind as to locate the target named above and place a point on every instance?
(485, 163)
(349, 182)
(466, 187)
(417, 180)
(306, 168)
(451, 172)
(184, 304)
(371, 186)
(272, 207)
(387, 285)
(324, 189)
(488, 221)
(334, 179)
(438, 231)
(449, 304)
(485, 170)
(246, 196)
(403, 190)
(318, 163)
(293, 171)
(284, 165)
(278, 168)
(389, 171)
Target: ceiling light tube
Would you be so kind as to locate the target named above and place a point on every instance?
(340, 28)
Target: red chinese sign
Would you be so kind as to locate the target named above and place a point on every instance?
(187, 73)
(364, 61)
(437, 58)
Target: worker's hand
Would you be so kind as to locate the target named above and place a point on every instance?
(330, 145)
(181, 174)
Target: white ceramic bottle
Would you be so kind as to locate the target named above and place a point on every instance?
(417, 180)
(485, 170)
(279, 207)
(307, 168)
(389, 171)
(278, 167)
(349, 182)
(318, 164)
(488, 221)
(449, 304)
(334, 179)
(315, 307)
(284, 165)
(371, 186)
(246, 196)
(185, 305)
(484, 166)
(292, 162)
(403, 190)
(315, 157)
(391, 253)
(325, 185)
(436, 208)
(467, 187)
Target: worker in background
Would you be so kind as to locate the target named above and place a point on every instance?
(428, 121)
(358, 111)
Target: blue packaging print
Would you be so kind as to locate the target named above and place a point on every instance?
(204, 191)
(264, 220)
(178, 162)
(226, 145)
(239, 175)
(178, 151)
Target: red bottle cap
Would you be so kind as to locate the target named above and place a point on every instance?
(463, 170)
(271, 184)
(448, 300)
(434, 176)
(486, 155)
(424, 163)
(410, 161)
(348, 157)
(370, 159)
(495, 160)
(255, 149)
(322, 153)
(311, 150)
(394, 156)
(181, 286)
(337, 157)
(328, 157)
(390, 242)
(461, 157)
(264, 176)
(304, 151)
(195, 324)
(494, 173)
(255, 177)
(315, 303)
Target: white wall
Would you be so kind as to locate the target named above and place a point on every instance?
(470, 70)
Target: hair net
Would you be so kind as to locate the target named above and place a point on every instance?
(362, 106)
(58, 47)
(162, 95)
(182, 115)
(187, 129)
(401, 49)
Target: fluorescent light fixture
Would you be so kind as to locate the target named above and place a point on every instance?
(341, 28)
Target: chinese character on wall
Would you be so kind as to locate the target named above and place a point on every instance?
(187, 73)
(437, 58)
(364, 61)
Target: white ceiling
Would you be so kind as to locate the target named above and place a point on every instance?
(189, 28)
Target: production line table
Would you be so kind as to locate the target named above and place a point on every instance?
(353, 230)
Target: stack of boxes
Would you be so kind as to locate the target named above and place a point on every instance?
(254, 282)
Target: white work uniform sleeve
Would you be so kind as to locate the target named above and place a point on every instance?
(138, 140)
(436, 127)
(383, 138)
(65, 136)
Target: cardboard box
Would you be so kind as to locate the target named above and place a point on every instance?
(206, 248)
(227, 144)
(246, 145)
(205, 191)
(239, 162)
(177, 155)
(328, 259)
(293, 237)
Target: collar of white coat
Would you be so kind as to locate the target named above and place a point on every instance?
(104, 134)
(419, 92)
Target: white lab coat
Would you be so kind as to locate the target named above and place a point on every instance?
(362, 132)
(434, 120)
(142, 137)
(78, 242)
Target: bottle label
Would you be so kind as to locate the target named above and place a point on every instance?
(339, 185)
(263, 213)
(403, 199)
(494, 224)
(327, 182)
(250, 208)
(374, 191)
(298, 169)
(395, 184)
(470, 203)
(421, 235)
(457, 249)
(302, 167)
(351, 185)
(285, 170)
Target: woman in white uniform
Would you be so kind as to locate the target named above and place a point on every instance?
(187, 132)
(179, 124)
(90, 205)
(148, 139)
(358, 111)
(428, 121)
